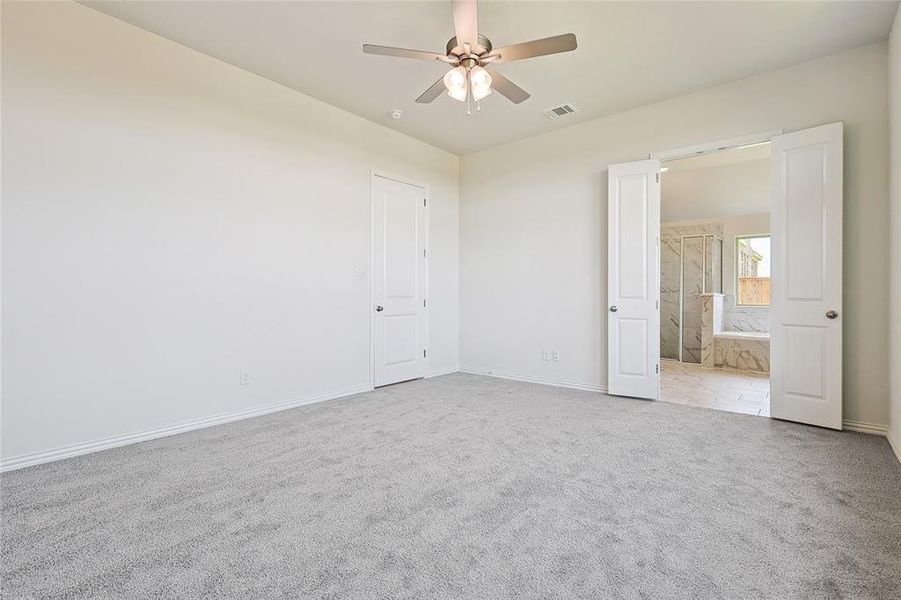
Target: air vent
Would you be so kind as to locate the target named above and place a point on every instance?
(559, 111)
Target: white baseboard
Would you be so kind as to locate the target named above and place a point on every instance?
(862, 427)
(45, 456)
(63, 452)
(588, 387)
(441, 372)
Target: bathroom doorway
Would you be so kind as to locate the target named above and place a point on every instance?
(801, 347)
(715, 267)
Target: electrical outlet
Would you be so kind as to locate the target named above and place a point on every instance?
(245, 377)
(545, 355)
(556, 356)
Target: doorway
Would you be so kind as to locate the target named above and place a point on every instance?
(805, 329)
(715, 276)
(398, 286)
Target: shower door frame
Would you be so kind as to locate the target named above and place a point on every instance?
(682, 239)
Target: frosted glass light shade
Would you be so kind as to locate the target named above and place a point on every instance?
(455, 82)
(480, 80)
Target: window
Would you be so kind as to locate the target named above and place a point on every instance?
(752, 270)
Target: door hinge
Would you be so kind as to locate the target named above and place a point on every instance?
(425, 354)
(658, 177)
(657, 369)
(423, 252)
(424, 304)
(424, 202)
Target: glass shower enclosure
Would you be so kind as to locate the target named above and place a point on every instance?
(691, 265)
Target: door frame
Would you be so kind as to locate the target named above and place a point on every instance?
(731, 143)
(377, 172)
(760, 137)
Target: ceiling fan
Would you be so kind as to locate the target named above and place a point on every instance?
(469, 53)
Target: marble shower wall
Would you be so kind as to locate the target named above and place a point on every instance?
(713, 275)
(711, 325)
(670, 258)
(685, 278)
(692, 282)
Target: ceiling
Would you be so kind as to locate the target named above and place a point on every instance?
(630, 53)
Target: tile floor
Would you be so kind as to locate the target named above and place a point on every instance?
(721, 389)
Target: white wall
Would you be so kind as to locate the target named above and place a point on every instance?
(169, 220)
(895, 263)
(533, 221)
(732, 189)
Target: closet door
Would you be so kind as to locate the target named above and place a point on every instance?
(399, 312)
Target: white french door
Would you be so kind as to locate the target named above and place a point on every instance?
(806, 222)
(398, 281)
(633, 284)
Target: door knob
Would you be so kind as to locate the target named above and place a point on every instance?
(831, 314)
(379, 308)
(613, 309)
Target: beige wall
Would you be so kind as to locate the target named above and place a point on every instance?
(534, 221)
(895, 263)
(169, 220)
(732, 189)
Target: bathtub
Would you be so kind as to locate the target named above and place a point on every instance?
(743, 350)
(742, 335)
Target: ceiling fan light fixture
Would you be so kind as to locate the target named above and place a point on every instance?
(480, 80)
(469, 51)
(458, 94)
(479, 94)
(455, 79)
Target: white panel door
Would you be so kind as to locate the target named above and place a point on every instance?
(633, 279)
(806, 340)
(398, 281)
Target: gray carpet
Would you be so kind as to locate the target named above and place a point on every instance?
(465, 487)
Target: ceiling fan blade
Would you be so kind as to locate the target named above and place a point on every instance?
(433, 92)
(466, 22)
(402, 52)
(508, 89)
(551, 45)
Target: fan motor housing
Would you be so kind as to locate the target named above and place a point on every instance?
(454, 49)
